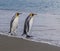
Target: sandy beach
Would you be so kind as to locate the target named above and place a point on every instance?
(17, 44)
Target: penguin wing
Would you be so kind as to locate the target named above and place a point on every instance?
(12, 22)
(27, 26)
(27, 23)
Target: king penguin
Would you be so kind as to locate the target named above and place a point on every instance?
(14, 23)
(28, 24)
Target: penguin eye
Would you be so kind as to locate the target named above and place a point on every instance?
(17, 13)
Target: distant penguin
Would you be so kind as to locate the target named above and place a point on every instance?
(14, 23)
(28, 24)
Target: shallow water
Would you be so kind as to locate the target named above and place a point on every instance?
(45, 28)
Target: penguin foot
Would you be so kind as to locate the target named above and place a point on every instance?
(11, 34)
(28, 36)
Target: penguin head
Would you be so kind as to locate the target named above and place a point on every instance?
(17, 14)
(32, 14)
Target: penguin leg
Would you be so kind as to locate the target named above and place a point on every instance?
(28, 36)
(24, 31)
(28, 32)
(15, 33)
(11, 33)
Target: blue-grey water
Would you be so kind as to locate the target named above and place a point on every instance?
(41, 6)
(46, 24)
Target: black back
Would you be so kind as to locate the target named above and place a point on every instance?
(26, 25)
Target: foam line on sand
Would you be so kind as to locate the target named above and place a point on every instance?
(18, 44)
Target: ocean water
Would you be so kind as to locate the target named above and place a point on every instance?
(41, 6)
(46, 24)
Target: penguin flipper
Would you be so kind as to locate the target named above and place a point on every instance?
(11, 23)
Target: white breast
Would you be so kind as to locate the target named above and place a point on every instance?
(15, 24)
(31, 22)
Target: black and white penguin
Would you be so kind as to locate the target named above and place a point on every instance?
(14, 23)
(28, 24)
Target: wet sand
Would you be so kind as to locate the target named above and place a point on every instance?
(17, 44)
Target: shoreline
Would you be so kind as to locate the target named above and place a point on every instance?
(13, 44)
(17, 44)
